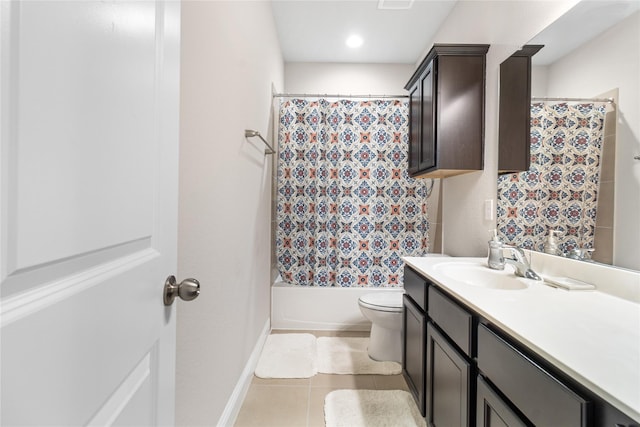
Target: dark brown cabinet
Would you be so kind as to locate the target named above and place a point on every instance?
(450, 367)
(413, 351)
(540, 396)
(415, 287)
(455, 321)
(464, 371)
(446, 109)
(514, 129)
(422, 154)
(607, 416)
(414, 324)
(492, 410)
(448, 388)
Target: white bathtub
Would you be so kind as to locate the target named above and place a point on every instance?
(319, 308)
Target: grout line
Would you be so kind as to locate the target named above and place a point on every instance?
(309, 405)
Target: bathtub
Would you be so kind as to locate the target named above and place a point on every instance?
(319, 308)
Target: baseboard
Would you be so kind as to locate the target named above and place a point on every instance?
(232, 408)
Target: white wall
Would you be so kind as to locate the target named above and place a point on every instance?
(230, 58)
(612, 61)
(345, 79)
(505, 26)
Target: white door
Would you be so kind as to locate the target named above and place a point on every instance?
(89, 103)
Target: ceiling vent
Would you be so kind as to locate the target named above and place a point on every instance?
(395, 4)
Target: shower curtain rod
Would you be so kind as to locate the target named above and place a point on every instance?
(608, 100)
(327, 95)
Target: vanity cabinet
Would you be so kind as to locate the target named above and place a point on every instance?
(492, 409)
(414, 327)
(446, 111)
(413, 351)
(438, 349)
(514, 125)
(541, 397)
(464, 371)
(448, 387)
(415, 287)
(608, 416)
(455, 321)
(450, 367)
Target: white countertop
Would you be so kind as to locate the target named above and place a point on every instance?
(592, 336)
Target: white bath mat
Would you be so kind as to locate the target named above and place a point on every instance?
(288, 356)
(348, 355)
(371, 408)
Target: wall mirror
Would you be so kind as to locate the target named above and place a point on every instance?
(593, 51)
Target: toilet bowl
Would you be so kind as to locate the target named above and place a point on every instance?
(384, 310)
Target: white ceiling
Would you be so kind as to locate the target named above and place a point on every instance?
(316, 30)
(582, 23)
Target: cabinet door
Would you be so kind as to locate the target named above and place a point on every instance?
(606, 415)
(428, 117)
(415, 286)
(454, 321)
(515, 115)
(448, 382)
(540, 396)
(514, 127)
(413, 360)
(415, 131)
(492, 411)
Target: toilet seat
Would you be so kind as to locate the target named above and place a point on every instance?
(382, 301)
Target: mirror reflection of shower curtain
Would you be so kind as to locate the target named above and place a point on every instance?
(560, 189)
(347, 210)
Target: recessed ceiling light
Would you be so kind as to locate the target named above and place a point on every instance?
(395, 4)
(354, 41)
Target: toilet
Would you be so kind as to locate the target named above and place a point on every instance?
(384, 310)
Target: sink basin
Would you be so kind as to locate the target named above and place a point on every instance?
(482, 276)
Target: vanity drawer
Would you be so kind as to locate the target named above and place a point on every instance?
(454, 320)
(416, 287)
(542, 398)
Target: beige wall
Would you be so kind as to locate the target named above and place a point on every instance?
(230, 58)
(603, 239)
(346, 78)
(505, 26)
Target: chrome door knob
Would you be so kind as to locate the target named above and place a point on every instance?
(187, 290)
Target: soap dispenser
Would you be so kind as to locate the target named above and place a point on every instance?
(495, 260)
(551, 245)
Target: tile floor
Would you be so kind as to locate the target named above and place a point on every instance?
(300, 402)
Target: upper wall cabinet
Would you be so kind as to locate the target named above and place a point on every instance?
(515, 111)
(446, 110)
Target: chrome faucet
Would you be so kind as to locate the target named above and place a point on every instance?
(520, 263)
(582, 254)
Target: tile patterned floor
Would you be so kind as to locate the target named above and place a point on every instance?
(300, 402)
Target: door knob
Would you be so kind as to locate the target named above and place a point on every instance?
(187, 290)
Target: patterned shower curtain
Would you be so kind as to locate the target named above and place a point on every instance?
(347, 210)
(560, 189)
